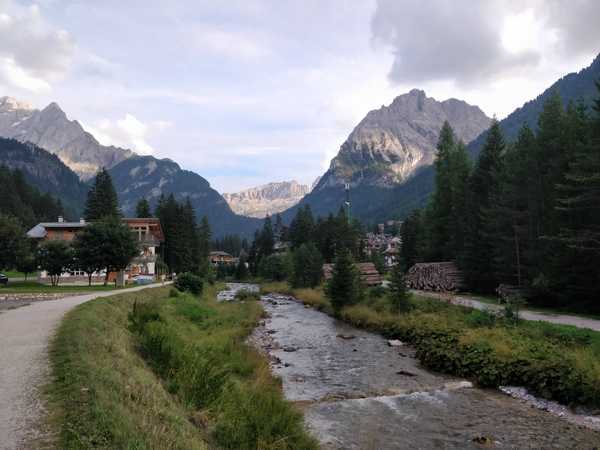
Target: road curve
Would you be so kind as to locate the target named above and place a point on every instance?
(561, 319)
(24, 366)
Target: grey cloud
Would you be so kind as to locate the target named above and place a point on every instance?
(446, 40)
(35, 46)
(577, 23)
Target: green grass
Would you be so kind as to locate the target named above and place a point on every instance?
(15, 274)
(17, 287)
(559, 362)
(166, 370)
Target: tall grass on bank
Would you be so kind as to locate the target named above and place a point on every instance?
(164, 370)
(197, 348)
(103, 395)
(558, 362)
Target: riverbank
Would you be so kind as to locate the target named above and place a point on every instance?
(556, 362)
(167, 371)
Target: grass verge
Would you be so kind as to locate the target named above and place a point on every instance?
(558, 362)
(150, 370)
(26, 287)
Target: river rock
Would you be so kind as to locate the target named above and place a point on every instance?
(290, 349)
(395, 343)
(346, 336)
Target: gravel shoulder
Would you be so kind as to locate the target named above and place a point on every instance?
(561, 319)
(25, 370)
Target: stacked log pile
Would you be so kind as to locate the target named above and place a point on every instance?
(438, 276)
(369, 275)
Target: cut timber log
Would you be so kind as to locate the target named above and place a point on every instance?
(437, 276)
(369, 275)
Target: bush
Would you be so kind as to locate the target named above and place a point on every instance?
(188, 282)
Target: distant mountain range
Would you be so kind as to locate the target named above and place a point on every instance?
(267, 199)
(58, 156)
(387, 159)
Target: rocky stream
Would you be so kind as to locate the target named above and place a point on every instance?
(361, 391)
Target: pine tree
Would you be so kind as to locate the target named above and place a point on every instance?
(344, 288)
(398, 295)
(460, 167)
(440, 212)
(412, 235)
(142, 209)
(579, 206)
(102, 199)
(302, 227)
(307, 266)
(515, 238)
(204, 235)
(484, 191)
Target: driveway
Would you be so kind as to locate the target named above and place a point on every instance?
(24, 366)
(561, 319)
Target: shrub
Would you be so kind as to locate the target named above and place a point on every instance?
(188, 282)
(477, 318)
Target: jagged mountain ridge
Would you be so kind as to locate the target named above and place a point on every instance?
(51, 130)
(391, 143)
(267, 199)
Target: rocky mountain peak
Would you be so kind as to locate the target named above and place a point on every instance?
(391, 143)
(51, 129)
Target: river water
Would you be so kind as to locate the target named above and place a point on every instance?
(358, 392)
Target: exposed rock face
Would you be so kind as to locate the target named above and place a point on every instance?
(267, 199)
(51, 130)
(392, 142)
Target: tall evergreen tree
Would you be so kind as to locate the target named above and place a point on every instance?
(102, 199)
(579, 206)
(302, 227)
(344, 288)
(142, 209)
(484, 192)
(440, 211)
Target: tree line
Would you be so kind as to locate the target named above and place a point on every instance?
(105, 243)
(525, 214)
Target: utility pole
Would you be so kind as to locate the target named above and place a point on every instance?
(347, 202)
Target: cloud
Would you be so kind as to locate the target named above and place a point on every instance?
(447, 40)
(227, 43)
(32, 52)
(128, 132)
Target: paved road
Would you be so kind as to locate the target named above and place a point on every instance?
(24, 365)
(563, 319)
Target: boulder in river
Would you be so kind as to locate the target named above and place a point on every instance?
(395, 343)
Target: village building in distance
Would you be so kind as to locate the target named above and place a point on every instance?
(218, 258)
(147, 231)
(384, 243)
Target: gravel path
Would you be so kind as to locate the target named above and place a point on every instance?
(562, 319)
(24, 366)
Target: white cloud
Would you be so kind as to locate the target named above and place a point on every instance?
(33, 53)
(128, 132)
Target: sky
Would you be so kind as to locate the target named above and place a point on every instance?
(252, 91)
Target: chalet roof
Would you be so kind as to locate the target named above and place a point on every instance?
(40, 230)
(220, 253)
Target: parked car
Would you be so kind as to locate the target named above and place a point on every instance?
(143, 279)
(3, 279)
